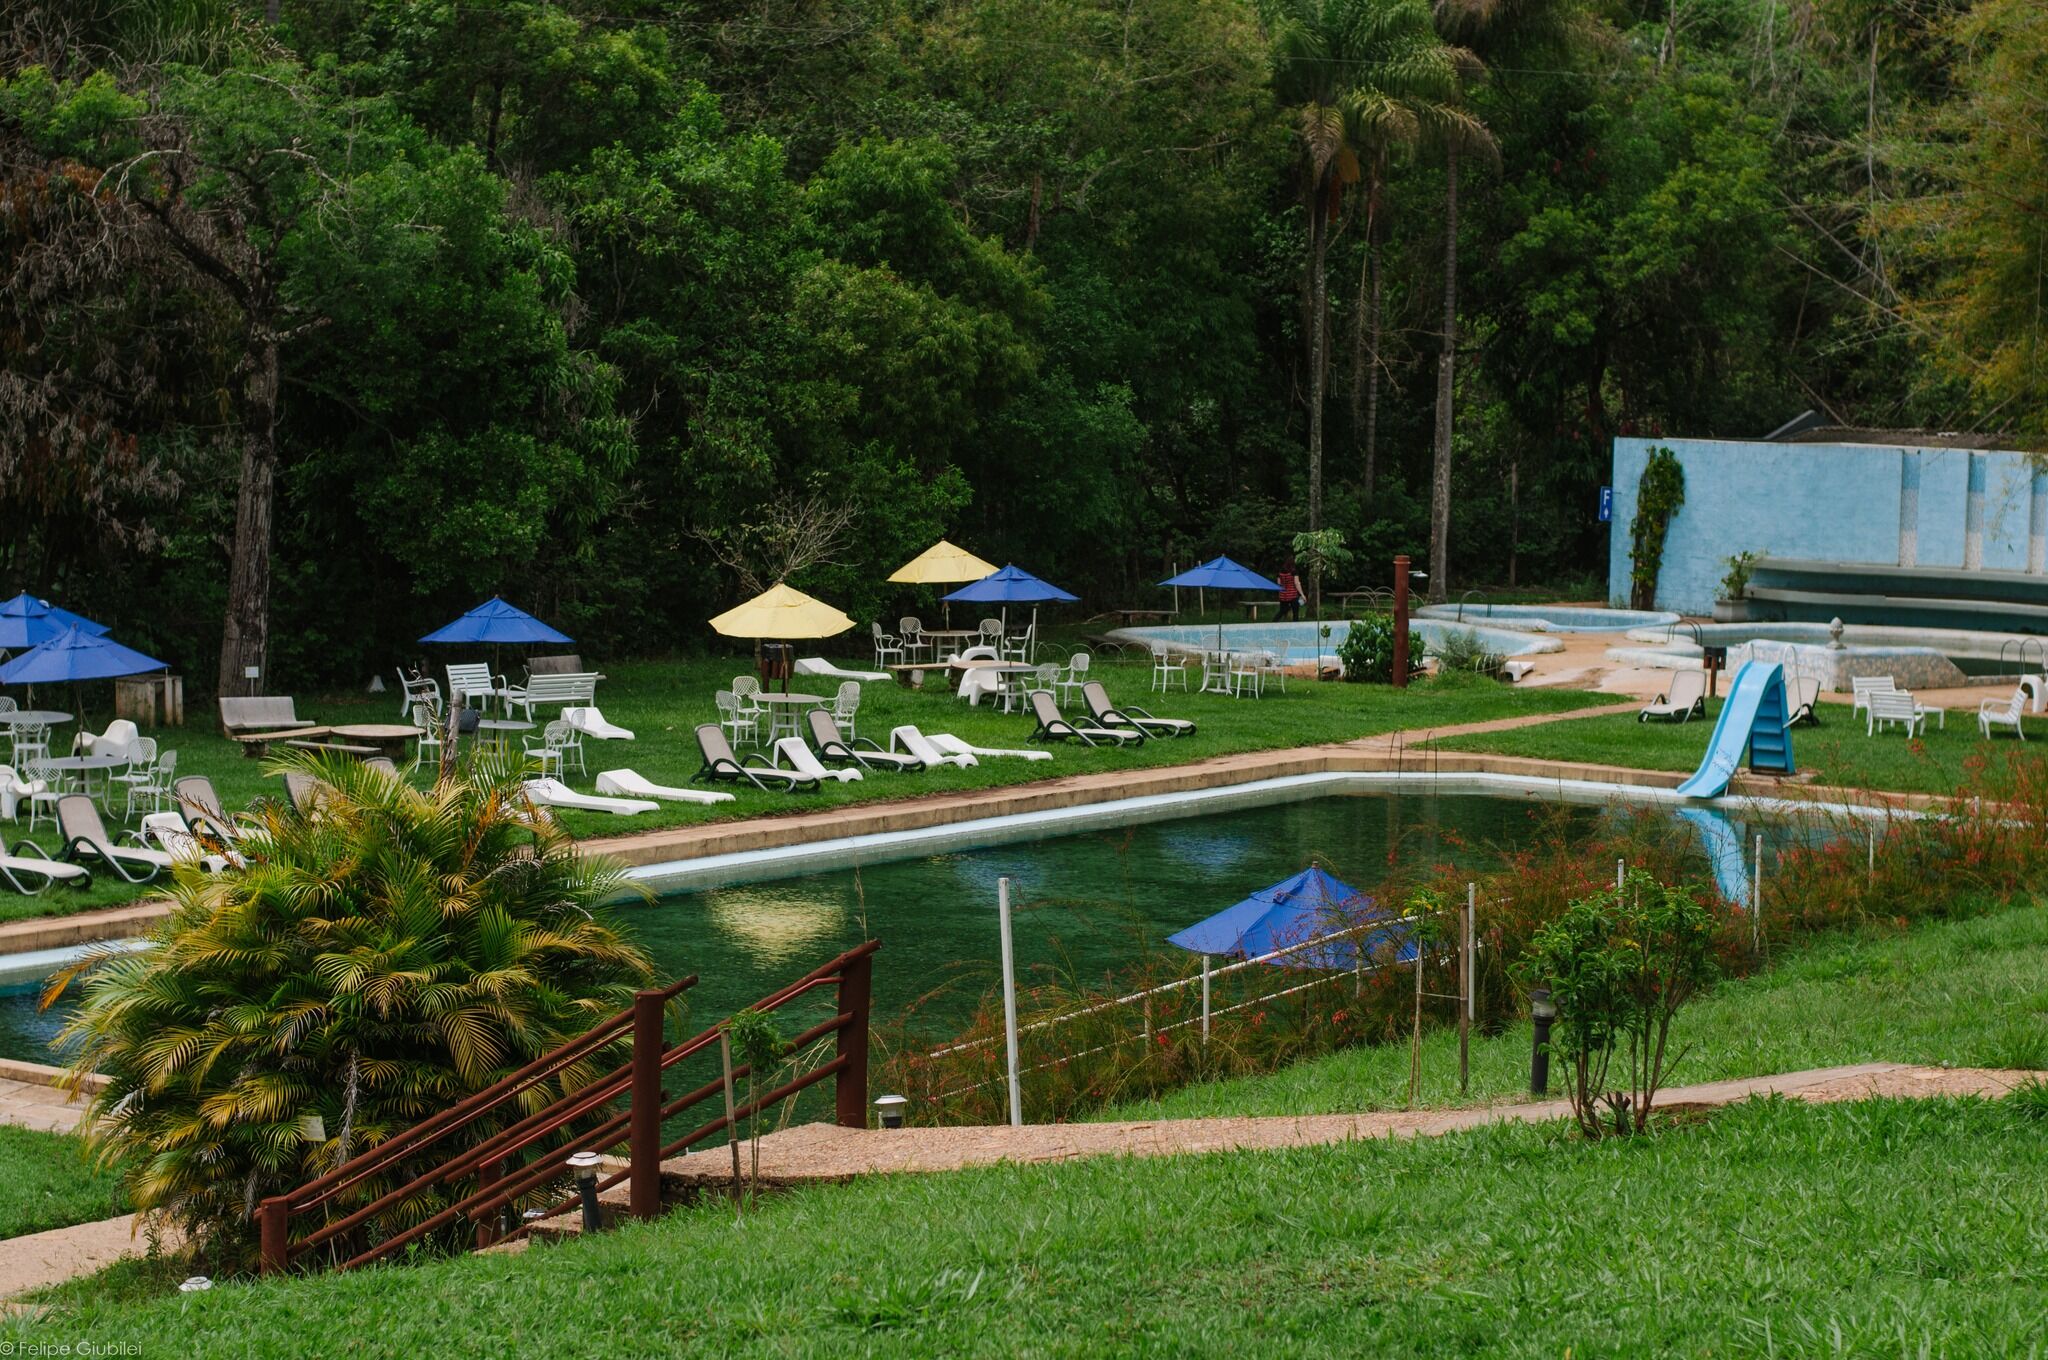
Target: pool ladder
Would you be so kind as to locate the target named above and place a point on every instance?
(2017, 649)
(1468, 595)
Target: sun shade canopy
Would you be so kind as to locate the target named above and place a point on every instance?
(782, 612)
(1305, 907)
(496, 621)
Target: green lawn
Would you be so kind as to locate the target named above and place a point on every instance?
(663, 701)
(1874, 1228)
(1971, 992)
(46, 1182)
(1837, 752)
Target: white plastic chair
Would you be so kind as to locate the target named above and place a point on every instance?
(31, 741)
(886, 646)
(547, 748)
(1069, 685)
(1167, 669)
(1990, 714)
(139, 774)
(427, 720)
(43, 792)
(844, 706)
(915, 644)
(738, 726)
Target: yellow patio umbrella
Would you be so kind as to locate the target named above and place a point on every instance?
(943, 564)
(782, 613)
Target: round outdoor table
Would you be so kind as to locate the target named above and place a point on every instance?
(83, 766)
(783, 710)
(390, 738)
(46, 716)
(498, 727)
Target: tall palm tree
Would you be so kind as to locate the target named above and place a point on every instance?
(1362, 77)
(379, 957)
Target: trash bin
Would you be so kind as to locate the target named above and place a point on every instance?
(777, 662)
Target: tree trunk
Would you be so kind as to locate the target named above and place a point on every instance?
(245, 636)
(1318, 359)
(1365, 343)
(1440, 479)
(1514, 517)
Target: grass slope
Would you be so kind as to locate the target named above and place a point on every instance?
(1878, 1228)
(1837, 752)
(46, 1182)
(1970, 992)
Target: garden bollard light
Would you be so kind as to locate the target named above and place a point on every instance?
(889, 1109)
(585, 1165)
(1541, 1012)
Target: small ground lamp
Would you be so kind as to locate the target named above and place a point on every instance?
(585, 1165)
(1541, 1012)
(889, 1109)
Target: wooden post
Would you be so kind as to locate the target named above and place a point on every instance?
(732, 1123)
(1401, 643)
(1415, 1041)
(855, 983)
(276, 1235)
(644, 1118)
(1465, 988)
(487, 1226)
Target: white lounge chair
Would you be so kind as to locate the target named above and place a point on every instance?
(721, 764)
(952, 745)
(912, 742)
(1109, 715)
(818, 665)
(28, 859)
(1053, 727)
(167, 832)
(591, 723)
(793, 755)
(629, 784)
(1802, 694)
(1684, 698)
(553, 793)
(83, 833)
(1991, 713)
(860, 751)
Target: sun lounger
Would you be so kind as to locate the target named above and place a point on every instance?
(629, 784)
(553, 793)
(912, 742)
(1108, 715)
(818, 665)
(591, 723)
(831, 746)
(1684, 699)
(29, 859)
(1802, 692)
(201, 808)
(721, 764)
(952, 745)
(1052, 727)
(78, 823)
(792, 754)
(168, 832)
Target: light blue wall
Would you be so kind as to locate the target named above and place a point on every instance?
(1830, 502)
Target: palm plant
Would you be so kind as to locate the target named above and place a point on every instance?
(1363, 77)
(380, 957)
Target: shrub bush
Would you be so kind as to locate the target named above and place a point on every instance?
(1367, 652)
(378, 959)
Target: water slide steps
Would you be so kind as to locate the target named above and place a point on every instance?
(1752, 721)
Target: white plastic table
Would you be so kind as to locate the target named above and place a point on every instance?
(784, 709)
(83, 766)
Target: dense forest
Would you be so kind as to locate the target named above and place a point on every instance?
(324, 319)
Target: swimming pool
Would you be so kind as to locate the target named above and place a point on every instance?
(1552, 618)
(1299, 640)
(1089, 902)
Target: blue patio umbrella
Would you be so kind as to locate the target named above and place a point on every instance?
(76, 655)
(496, 622)
(26, 621)
(1309, 905)
(1220, 573)
(1011, 585)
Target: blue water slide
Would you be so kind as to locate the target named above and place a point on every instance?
(1724, 852)
(1753, 721)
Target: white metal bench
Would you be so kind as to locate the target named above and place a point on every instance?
(556, 691)
(1900, 707)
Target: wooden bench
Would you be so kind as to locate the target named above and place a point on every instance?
(258, 720)
(1252, 608)
(346, 748)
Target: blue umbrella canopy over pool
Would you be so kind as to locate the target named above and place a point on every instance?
(1306, 907)
(498, 622)
(1220, 573)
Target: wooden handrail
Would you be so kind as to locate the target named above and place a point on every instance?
(500, 1183)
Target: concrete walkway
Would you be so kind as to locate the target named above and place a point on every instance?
(61, 1254)
(30, 1097)
(813, 1153)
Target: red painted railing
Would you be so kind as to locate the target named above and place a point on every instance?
(490, 1178)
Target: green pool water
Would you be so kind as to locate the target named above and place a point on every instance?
(1086, 904)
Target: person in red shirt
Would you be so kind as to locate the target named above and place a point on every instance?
(1290, 593)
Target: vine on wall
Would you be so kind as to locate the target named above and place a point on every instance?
(1658, 496)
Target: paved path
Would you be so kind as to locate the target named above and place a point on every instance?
(30, 1099)
(826, 1152)
(61, 1254)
